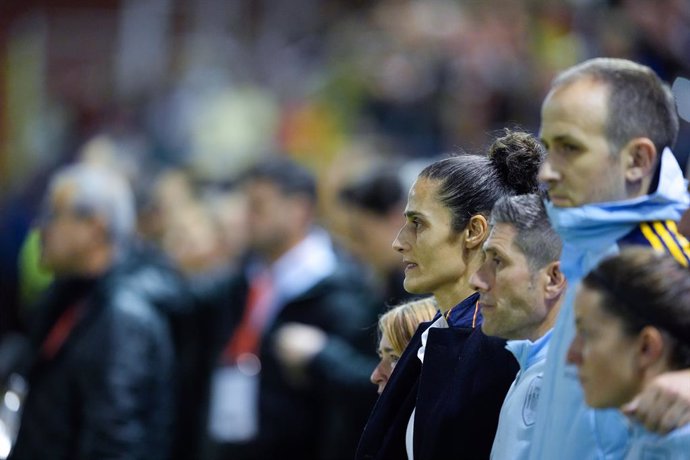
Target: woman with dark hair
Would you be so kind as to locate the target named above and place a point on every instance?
(444, 396)
(632, 316)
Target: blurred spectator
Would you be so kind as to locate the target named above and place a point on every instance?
(396, 328)
(101, 378)
(292, 273)
(375, 206)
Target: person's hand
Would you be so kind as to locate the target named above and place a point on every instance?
(664, 405)
(296, 344)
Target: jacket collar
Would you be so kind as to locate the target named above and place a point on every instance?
(527, 352)
(596, 223)
(588, 231)
(465, 314)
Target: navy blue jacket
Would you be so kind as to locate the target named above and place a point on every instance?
(458, 394)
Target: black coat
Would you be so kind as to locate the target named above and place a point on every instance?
(458, 394)
(108, 391)
(310, 418)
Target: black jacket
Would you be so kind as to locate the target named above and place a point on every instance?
(308, 419)
(457, 393)
(108, 391)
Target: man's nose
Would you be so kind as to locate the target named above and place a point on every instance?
(479, 280)
(547, 173)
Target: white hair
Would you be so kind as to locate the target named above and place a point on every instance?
(103, 192)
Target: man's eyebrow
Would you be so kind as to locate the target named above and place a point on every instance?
(563, 138)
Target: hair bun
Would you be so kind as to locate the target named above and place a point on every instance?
(516, 157)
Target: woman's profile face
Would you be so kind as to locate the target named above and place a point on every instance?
(430, 249)
(605, 356)
(387, 360)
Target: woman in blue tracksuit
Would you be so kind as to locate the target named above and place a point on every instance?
(632, 316)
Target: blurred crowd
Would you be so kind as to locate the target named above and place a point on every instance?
(182, 99)
(183, 96)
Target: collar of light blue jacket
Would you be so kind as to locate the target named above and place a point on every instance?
(527, 352)
(592, 227)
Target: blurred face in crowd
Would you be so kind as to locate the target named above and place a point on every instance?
(512, 296)
(605, 355)
(387, 360)
(275, 221)
(431, 250)
(580, 167)
(68, 234)
(371, 235)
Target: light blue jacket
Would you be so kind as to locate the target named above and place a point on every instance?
(516, 421)
(565, 427)
(650, 446)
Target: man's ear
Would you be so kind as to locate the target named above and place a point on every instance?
(555, 281)
(640, 159)
(476, 231)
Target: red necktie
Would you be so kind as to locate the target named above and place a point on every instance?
(247, 336)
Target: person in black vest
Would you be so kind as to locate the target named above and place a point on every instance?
(100, 382)
(444, 396)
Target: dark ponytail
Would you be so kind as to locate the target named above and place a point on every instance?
(471, 184)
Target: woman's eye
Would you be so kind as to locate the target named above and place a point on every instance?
(569, 148)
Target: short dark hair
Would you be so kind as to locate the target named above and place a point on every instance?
(380, 191)
(535, 236)
(644, 287)
(289, 176)
(471, 184)
(640, 104)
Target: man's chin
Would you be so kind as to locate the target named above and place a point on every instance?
(561, 202)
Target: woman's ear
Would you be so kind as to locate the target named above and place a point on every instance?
(476, 231)
(650, 346)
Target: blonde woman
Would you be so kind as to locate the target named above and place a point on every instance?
(396, 328)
